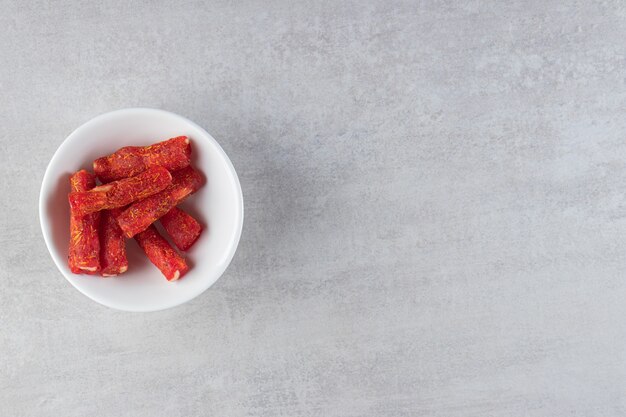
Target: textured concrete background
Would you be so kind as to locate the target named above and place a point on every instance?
(435, 201)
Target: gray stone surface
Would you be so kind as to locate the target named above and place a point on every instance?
(434, 195)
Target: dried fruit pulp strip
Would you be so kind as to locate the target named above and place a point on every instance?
(112, 245)
(161, 254)
(143, 213)
(129, 161)
(84, 250)
(121, 193)
(182, 228)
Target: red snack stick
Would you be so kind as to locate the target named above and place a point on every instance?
(84, 251)
(182, 228)
(143, 213)
(129, 161)
(121, 193)
(112, 245)
(161, 254)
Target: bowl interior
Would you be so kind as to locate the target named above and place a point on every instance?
(218, 206)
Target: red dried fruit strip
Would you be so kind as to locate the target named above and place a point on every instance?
(143, 213)
(182, 228)
(161, 254)
(84, 250)
(129, 161)
(121, 193)
(112, 245)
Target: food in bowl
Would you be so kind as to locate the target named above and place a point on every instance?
(139, 186)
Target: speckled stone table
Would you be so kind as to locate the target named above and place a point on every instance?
(435, 208)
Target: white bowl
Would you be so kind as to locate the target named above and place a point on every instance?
(218, 206)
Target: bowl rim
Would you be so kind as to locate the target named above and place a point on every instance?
(59, 262)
